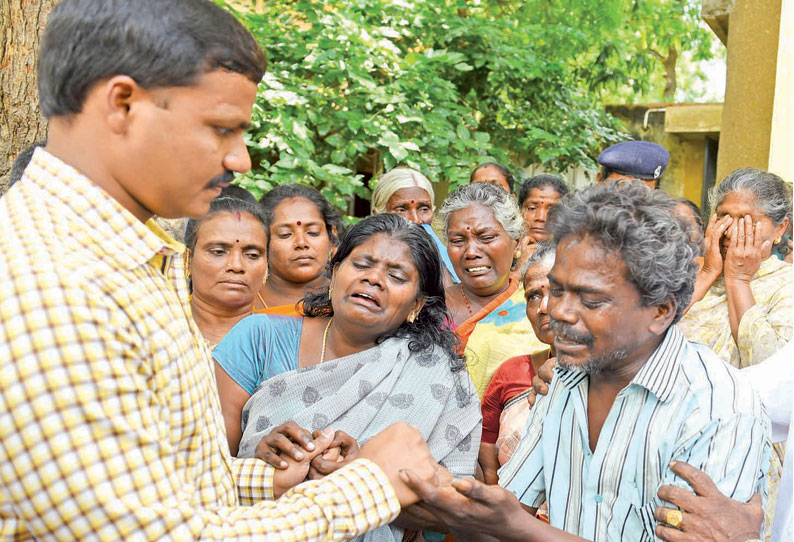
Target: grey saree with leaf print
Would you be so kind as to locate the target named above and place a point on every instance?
(364, 393)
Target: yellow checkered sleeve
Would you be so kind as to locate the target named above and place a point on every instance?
(110, 422)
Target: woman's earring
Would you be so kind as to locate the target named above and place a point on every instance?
(411, 318)
(518, 254)
(777, 241)
(330, 291)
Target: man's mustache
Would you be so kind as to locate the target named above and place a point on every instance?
(224, 178)
(566, 331)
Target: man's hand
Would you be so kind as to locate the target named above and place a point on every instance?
(401, 446)
(296, 471)
(541, 381)
(342, 450)
(470, 509)
(708, 515)
(288, 440)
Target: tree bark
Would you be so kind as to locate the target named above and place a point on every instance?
(21, 123)
(671, 84)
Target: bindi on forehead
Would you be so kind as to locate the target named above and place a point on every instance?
(299, 223)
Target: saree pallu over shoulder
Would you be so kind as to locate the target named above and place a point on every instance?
(496, 333)
(364, 393)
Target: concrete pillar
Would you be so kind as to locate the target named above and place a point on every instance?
(750, 85)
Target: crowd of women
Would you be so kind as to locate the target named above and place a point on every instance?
(437, 317)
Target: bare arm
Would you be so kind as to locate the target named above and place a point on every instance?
(233, 399)
(742, 261)
(712, 258)
(474, 511)
(489, 463)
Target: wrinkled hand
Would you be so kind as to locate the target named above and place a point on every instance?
(297, 470)
(709, 515)
(541, 381)
(712, 258)
(286, 440)
(470, 509)
(746, 250)
(342, 450)
(401, 446)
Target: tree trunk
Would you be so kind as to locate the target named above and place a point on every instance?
(21, 124)
(670, 85)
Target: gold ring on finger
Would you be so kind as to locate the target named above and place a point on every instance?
(674, 518)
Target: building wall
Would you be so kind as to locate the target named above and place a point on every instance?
(781, 157)
(683, 177)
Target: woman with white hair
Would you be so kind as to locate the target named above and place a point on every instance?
(406, 192)
(483, 226)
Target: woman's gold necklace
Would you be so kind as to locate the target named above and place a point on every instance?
(325, 338)
(261, 300)
(466, 299)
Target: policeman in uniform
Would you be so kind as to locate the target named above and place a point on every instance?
(633, 161)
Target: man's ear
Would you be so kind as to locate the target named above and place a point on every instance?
(663, 315)
(118, 94)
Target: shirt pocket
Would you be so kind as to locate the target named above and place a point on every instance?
(631, 521)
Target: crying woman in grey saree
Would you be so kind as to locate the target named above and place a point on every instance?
(373, 351)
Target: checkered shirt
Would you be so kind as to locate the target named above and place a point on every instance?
(110, 422)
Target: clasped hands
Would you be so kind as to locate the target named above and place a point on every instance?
(298, 455)
(428, 493)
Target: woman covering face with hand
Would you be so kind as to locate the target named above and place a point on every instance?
(482, 225)
(372, 350)
(745, 314)
(226, 255)
(303, 229)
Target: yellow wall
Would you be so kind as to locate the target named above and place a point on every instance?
(684, 174)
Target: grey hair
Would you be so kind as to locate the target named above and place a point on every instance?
(772, 194)
(504, 207)
(640, 224)
(546, 250)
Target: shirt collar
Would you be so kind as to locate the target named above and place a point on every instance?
(658, 375)
(105, 226)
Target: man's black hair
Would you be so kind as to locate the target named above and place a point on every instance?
(606, 172)
(159, 43)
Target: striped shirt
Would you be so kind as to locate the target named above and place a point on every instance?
(110, 421)
(684, 404)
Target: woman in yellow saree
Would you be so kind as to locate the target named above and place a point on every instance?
(482, 226)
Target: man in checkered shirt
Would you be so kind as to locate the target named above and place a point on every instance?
(110, 423)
